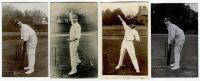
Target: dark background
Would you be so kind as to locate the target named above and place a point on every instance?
(186, 19)
(181, 15)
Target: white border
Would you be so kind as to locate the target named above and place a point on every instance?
(100, 43)
(21, 78)
(101, 51)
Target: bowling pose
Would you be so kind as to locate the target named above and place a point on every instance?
(127, 45)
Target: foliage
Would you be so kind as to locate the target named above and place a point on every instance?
(181, 15)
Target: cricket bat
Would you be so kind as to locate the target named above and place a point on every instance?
(168, 53)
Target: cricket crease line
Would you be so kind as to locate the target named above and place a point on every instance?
(157, 57)
(68, 34)
(167, 34)
(117, 37)
(169, 66)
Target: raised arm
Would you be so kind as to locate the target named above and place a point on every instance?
(120, 18)
(70, 16)
(123, 22)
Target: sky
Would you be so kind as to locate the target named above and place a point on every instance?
(31, 6)
(127, 8)
(193, 6)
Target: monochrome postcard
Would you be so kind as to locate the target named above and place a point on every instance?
(174, 40)
(74, 40)
(25, 39)
(124, 39)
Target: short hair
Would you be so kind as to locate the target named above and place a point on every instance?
(74, 16)
(18, 20)
(167, 19)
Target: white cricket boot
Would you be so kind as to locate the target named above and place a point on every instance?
(26, 68)
(73, 71)
(117, 67)
(31, 70)
(137, 71)
(175, 67)
(172, 65)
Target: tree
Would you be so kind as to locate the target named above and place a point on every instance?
(181, 15)
(110, 17)
(106, 17)
(114, 19)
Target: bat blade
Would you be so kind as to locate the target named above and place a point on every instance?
(168, 55)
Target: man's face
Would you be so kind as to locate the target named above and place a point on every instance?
(74, 18)
(19, 23)
(167, 23)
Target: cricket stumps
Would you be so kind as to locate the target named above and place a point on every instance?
(20, 56)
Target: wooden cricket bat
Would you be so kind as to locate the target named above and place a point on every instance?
(169, 48)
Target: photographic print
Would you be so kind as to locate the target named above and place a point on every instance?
(174, 40)
(25, 39)
(74, 40)
(125, 36)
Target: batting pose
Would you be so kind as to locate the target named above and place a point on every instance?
(29, 39)
(75, 35)
(127, 44)
(175, 35)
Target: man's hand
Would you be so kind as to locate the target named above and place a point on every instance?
(69, 40)
(138, 40)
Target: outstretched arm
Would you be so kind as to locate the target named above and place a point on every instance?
(70, 16)
(120, 18)
(123, 22)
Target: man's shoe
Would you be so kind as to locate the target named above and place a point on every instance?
(137, 71)
(26, 68)
(175, 67)
(172, 65)
(29, 71)
(117, 67)
(72, 72)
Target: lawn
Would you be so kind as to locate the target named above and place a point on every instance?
(189, 57)
(10, 68)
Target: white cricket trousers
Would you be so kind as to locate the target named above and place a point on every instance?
(74, 54)
(31, 49)
(31, 57)
(128, 45)
(177, 50)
